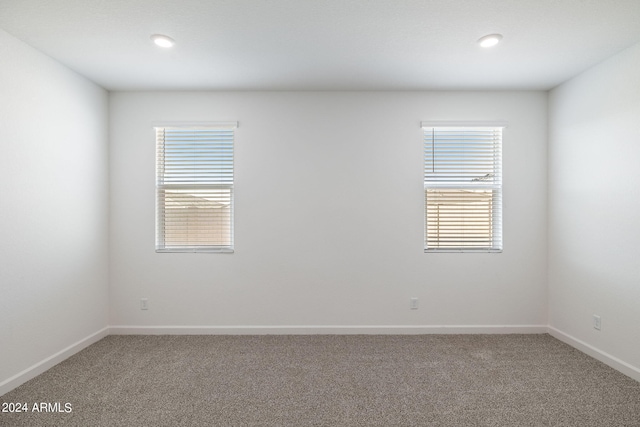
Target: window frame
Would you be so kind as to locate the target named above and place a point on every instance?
(496, 211)
(161, 186)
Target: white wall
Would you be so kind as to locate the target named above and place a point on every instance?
(329, 214)
(594, 207)
(54, 208)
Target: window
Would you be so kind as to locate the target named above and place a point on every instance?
(194, 188)
(463, 187)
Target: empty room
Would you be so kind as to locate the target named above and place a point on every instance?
(320, 213)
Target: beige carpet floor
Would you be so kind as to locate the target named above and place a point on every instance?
(322, 380)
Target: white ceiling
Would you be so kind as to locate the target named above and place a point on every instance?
(325, 44)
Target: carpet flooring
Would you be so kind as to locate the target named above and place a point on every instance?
(328, 380)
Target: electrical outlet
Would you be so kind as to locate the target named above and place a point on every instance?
(413, 303)
(597, 322)
(144, 304)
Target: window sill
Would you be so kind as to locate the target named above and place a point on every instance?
(196, 251)
(469, 251)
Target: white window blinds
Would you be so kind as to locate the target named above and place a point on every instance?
(194, 188)
(463, 187)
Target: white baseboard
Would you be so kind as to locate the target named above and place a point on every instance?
(617, 364)
(40, 367)
(329, 330)
(53, 360)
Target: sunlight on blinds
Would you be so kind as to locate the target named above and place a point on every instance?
(194, 189)
(463, 188)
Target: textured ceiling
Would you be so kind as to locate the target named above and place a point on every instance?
(325, 44)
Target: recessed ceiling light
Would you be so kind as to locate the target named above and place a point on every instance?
(490, 40)
(163, 41)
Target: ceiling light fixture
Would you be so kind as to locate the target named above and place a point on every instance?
(490, 40)
(163, 41)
